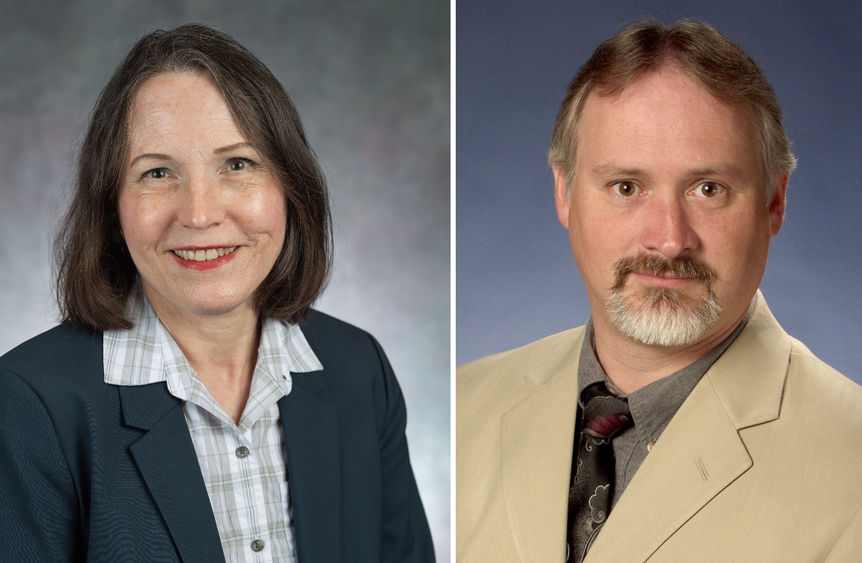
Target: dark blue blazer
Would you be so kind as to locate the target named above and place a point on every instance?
(97, 472)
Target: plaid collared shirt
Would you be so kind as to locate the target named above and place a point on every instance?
(243, 465)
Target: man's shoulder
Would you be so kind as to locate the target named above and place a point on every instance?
(548, 350)
(499, 380)
(825, 390)
(766, 373)
(813, 403)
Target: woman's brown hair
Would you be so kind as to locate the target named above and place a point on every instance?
(95, 273)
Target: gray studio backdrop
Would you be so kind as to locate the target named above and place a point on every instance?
(371, 82)
(516, 278)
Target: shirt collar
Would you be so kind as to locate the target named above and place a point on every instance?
(653, 405)
(147, 353)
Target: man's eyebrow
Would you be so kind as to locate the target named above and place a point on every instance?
(603, 170)
(708, 171)
(721, 169)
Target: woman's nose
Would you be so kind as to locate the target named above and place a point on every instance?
(201, 206)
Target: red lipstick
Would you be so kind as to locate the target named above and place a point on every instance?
(206, 264)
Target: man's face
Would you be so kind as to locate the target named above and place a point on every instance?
(668, 216)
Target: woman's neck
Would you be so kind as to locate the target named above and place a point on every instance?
(222, 349)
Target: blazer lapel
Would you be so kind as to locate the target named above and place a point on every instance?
(700, 452)
(166, 458)
(537, 438)
(698, 455)
(314, 467)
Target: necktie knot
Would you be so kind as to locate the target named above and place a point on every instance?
(605, 415)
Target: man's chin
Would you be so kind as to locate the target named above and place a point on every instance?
(660, 316)
(665, 299)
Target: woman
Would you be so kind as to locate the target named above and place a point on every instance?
(192, 407)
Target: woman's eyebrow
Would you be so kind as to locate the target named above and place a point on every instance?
(220, 150)
(156, 156)
(233, 147)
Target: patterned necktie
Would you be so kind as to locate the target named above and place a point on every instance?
(593, 474)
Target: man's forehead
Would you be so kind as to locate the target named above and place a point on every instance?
(669, 77)
(664, 99)
(665, 120)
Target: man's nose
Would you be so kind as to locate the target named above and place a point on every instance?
(667, 227)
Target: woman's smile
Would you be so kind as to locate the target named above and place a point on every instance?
(204, 259)
(198, 195)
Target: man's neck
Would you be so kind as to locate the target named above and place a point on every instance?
(631, 365)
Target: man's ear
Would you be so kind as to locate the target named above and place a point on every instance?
(561, 196)
(777, 205)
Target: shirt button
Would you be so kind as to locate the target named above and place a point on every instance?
(242, 452)
(649, 446)
(257, 545)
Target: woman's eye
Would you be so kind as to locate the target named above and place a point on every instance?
(708, 189)
(237, 164)
(156, 174)
(625, 189)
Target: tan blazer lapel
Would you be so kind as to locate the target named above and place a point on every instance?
(537, 439)
(700, 452)
(698, 455)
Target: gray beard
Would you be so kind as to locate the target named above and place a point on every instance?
(662, 319)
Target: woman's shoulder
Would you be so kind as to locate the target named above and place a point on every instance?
(62, 355)
(318, 322)
(341, 345)
(327, 333)
(357, 372)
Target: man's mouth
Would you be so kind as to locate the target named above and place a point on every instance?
(665, 275)
(204, 255)
(681, 270)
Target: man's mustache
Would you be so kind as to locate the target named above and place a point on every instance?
(684, 267)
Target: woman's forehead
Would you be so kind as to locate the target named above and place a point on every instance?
(181, 110)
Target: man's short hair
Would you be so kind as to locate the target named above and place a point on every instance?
(717, 63)
(95, 273)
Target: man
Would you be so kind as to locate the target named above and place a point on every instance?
(681, 423)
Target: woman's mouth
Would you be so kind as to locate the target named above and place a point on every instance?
(204, 255)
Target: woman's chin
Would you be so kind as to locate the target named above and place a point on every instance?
(209, 302)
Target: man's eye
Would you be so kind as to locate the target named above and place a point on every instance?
(156, 174)
(625, 189)
(708, 189)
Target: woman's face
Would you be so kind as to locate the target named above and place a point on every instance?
(202, 214)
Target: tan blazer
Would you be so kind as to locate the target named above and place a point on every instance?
(763, 461)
